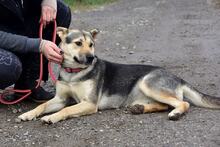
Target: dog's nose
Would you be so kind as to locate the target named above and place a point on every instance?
(89, 58)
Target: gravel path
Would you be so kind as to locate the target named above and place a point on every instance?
(181, 35)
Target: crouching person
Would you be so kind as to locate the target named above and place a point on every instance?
(20, 45)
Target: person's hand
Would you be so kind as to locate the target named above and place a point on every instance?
(51, 51)
(48, 14)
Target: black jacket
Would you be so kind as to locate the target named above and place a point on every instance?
(13, 15)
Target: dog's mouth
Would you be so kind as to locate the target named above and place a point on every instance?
(83, 63)
(85, 60)
(76, 59)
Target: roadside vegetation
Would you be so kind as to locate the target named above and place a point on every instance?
(86, 4)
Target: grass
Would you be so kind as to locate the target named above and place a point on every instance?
(86, 4)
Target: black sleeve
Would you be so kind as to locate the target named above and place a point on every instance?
(18, 43)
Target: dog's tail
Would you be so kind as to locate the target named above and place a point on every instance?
(199, 99)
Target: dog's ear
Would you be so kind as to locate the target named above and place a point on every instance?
(94, 32)
(61, 32)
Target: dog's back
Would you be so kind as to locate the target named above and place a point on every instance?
(121, 78)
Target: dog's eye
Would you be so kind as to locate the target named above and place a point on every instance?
(91, 44)
(78, 43)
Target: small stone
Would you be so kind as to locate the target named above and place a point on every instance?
(117, 130)
(8, 120)
(57, 136)
(14, 140)
(27, 140)
(5, 133)
(19, 110)
(26, 133)
(131, 52)
(101, 130)
(122, 56)
(15, 111)
(119, 29)
(123, 47)
(95, 131)
(117, 43)
(17, 120)
(1, 130)
(142, 61)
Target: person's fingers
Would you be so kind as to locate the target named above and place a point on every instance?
(44, 17)
(54, 54)
(44, 23)
(57, 49)
(48, 16)
(54, 60)
(54, 14)
(54, 57)
(51, 15)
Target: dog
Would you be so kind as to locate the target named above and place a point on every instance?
(96, 84)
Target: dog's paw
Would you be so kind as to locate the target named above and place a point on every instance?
(137, 109)
(27, 116)
(49, 119)
(174, 115)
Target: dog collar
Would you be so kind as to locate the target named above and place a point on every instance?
(73, 70)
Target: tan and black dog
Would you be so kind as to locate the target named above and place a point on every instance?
(97, 84)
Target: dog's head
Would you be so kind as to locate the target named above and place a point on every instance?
(78, 46)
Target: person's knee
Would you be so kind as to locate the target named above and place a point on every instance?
(11, 68)
(17, 68)
(63, 14)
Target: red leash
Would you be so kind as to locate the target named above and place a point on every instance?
(29, 91)
(53, 77)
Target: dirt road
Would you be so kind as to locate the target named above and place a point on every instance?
(180, 35)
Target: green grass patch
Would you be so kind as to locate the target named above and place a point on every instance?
(86, 4)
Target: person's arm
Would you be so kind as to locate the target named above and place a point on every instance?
(18, 43)
(22, 44)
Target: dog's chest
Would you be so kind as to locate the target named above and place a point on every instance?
(82, 90)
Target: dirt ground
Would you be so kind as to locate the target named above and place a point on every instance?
(181, 35)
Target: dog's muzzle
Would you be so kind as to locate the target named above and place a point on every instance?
(84, 59)
(89, 59)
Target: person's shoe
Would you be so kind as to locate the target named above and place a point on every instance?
(40, 95)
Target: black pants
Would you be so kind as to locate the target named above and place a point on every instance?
(20, 68)
(10, 68)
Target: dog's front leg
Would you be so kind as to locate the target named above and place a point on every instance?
(52, 105)
(82, 108)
